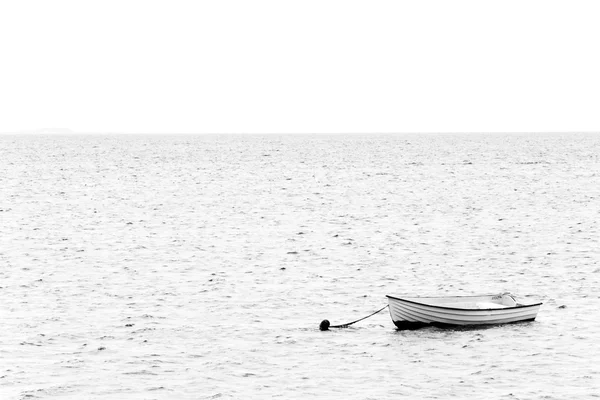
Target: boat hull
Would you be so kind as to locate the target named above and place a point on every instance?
(418, 312)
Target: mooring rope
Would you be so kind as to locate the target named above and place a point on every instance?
(325, 323)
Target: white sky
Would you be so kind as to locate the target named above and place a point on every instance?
(300, 66)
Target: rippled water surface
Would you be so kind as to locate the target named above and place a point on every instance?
(199, 267)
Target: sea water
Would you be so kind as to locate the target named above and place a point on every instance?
(200, 267)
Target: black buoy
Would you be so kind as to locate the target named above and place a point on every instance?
(325, 323)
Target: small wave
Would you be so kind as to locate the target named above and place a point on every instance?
(142, 372)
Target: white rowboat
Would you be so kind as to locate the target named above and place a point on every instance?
(416, 312)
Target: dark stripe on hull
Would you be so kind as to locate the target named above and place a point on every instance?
(411, 326)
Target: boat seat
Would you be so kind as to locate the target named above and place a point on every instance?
(509, 300)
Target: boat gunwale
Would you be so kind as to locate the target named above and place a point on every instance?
(462, 309)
